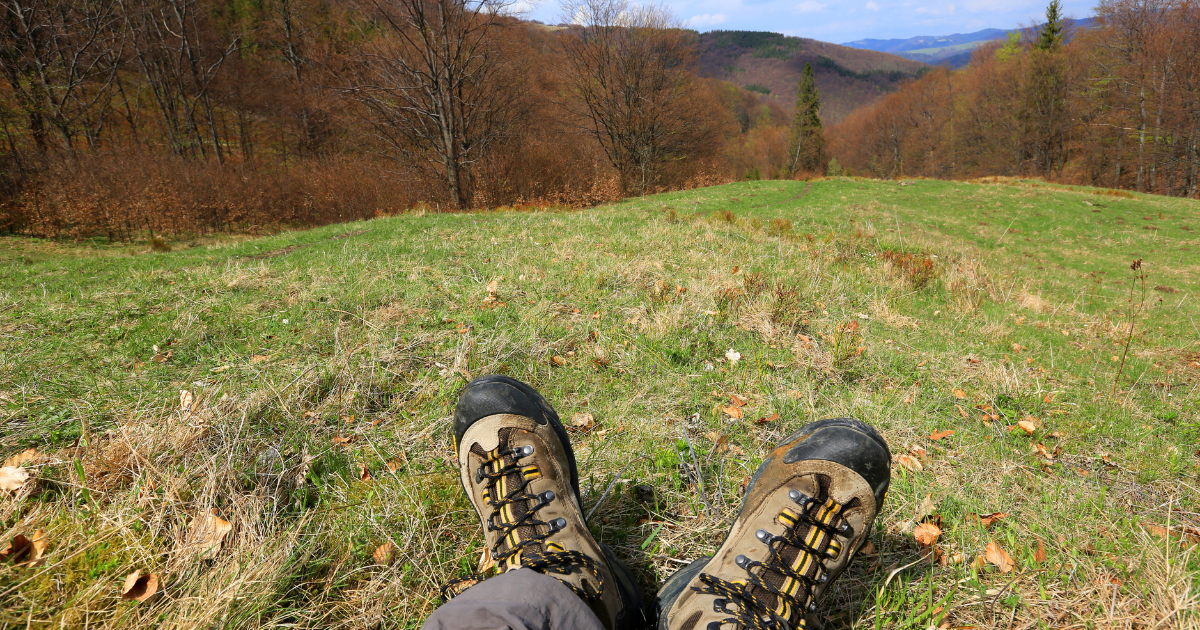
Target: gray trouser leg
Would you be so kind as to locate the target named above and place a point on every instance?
(522, 599)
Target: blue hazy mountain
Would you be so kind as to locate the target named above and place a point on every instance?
(946, 50)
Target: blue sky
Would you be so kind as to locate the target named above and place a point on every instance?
(837, 22)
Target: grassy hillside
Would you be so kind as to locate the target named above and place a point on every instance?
(319, 372)
(847, 78)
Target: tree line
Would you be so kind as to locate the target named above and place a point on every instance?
(122, 117)
(1116, 105)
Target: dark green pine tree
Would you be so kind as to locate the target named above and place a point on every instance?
(806, 152)
(1051, 35)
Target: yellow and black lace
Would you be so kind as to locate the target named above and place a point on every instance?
(517, 545)
(811, 532)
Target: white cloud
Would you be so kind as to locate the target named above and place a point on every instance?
(810, 6)
(707, 19)
(871, 6)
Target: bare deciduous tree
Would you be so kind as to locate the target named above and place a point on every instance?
(630, 86)
(60, 58)
(438, 92)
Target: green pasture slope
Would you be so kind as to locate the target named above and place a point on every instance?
(919, 307)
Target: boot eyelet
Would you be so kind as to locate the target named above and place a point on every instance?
(741, 561)
(557, 524)
(763, 535)
(524, 451)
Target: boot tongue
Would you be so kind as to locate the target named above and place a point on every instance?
(511, 512)
(794, 558)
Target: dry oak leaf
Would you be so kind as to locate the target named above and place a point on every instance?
(909, 462)
(185, 401)
(12, 478)
(962, 412)
(733, 412)
(557, 360)
(737, 401)
(25, 551)
(23, 457)
(583, 421)
(959, 394)
(384, 554)
(990, 519)
(1040, 555)
(364, 473)
(767, 419)
(928, 505)
(998, 557)
(1027, 426)
(139, 587)
(937, 435)
(908, 400)
(927, 534)
(393, 465)
(208, 532)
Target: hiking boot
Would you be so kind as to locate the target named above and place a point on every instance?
(806, 513)
(518, 469)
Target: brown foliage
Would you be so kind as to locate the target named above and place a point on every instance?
(1113, 108)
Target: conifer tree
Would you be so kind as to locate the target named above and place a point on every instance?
(1051, 35)
(807, 148)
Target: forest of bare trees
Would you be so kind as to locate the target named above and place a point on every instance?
(1116, 105)
(126, 117)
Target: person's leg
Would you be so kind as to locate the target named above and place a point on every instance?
(517, 466)
(521, 599)
(806, 513)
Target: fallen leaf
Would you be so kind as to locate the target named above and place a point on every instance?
(485, 560)
(927, 534)
(1016, 347)
(978, 563)
(989, 519)
(921, 453)
(25, 456)
(909, 462)
(364, 473)
(185, 401)
(493, 285)
(12, 478)
(1040, 555)
(999, 557)
(908, 400)
(218, 370)
(737, 401)
(583, 421)
(937, 435)
(962, 412)
(960, 394)
(733, 355)
(596, 315)
(393, 465)
(1027, 426)
(733, 412)
(384, 554)
(557, 360)
(208, 532)
(139, 587)
(339, 440)
(926, 508)
(767, 419)
(922, 364)
(868, 549)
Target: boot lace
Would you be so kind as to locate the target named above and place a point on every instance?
(523, 537)
(777, 595)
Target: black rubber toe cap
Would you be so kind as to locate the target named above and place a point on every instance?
(493, 394)
(849, 442)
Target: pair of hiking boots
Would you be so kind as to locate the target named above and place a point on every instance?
(806, 512)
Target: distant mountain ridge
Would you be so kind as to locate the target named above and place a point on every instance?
(896, 46)
(946, 50)
(770, 64)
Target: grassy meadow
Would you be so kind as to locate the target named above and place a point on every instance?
(300, 387)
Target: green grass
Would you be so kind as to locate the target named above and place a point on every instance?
(367, 331)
